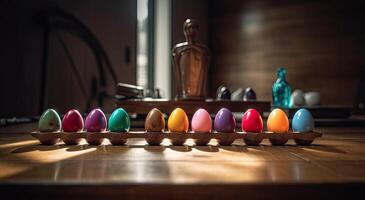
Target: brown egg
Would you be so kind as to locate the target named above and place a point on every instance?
(155, 121)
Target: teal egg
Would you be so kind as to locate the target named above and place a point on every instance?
(302, 121)
(119, 121)
(50, 121)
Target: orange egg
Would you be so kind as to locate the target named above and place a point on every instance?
(278, 121)
(178, 121)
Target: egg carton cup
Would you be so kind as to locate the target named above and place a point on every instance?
(176, 138)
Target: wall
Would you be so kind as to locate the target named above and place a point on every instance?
(114, 24)
(320, 43)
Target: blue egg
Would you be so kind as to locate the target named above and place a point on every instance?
(302, 121)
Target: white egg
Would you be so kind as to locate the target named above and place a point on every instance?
(237, 95)
(312, 98)
(297, 98)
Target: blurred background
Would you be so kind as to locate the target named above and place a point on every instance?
(70, 54)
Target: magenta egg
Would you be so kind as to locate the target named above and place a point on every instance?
(72, 121)
(95, 121)
(201, 121)
(224, 121)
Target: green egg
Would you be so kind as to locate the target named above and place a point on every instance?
(119, 121)
(50, 121)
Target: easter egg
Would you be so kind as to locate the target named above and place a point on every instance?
(237, 95)
(178, 121)
(278, 121)
(223, 93)
(119, 121)
(249, 95)
(49, 121)
(297, 98)
(201, 121)
(252, 121)
(303, 121)
(72, 121)
(155, 121)
(312, 98)
(224, 121)
(95, 121)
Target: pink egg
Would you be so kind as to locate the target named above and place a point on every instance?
(201, 122)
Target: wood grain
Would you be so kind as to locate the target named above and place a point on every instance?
(155, 138)
(334, 163)
(318, 42)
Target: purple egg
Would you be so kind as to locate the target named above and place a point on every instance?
(95, 121)
(224, 121)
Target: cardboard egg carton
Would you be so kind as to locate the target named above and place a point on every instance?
(176, 138)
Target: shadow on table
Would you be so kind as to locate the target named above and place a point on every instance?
(183, 148)
(154, 149)
(38, 147)
(208, 148)
(68, 148)
(161, 148)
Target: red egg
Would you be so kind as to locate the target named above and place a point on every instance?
(252, 121)
(72, 121)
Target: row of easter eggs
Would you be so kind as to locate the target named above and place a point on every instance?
(178, 121)
(95, 121)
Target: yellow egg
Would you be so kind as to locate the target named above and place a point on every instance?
(278, 121)
(178, 121)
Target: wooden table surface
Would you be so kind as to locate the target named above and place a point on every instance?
(334, 166)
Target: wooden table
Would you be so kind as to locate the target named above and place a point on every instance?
(333, 167)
